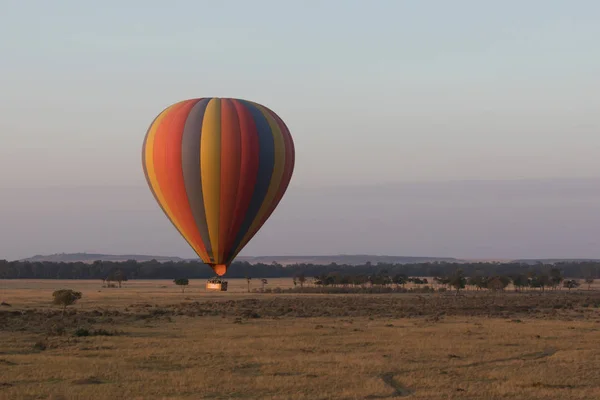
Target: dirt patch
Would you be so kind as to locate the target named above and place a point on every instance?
(88, 381)
(523, 357)
(399, 390)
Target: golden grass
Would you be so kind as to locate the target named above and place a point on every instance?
(37, 292)
(224, 357)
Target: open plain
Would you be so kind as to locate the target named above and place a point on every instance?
(148, 340)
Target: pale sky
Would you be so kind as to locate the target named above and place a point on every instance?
(374, 92)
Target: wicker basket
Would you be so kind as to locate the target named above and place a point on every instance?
(221, 287)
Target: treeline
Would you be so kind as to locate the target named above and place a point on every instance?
(382, 282)
(197, 270)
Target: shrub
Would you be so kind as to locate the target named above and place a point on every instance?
(65, 298)
(82, 332)
(183, 282)
(41, 346)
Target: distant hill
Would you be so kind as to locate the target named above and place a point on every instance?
(358, 259)
(283, 260)
(555, 260)
(348, 259)
(90, 257)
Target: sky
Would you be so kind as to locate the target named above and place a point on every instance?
(374, 93)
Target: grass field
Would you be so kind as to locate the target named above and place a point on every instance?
(150, 341)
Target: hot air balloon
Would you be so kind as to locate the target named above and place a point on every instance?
(218, 168)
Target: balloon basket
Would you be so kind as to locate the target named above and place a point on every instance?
(216, 284)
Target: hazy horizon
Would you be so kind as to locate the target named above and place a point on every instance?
(509, 219)
(455, 129)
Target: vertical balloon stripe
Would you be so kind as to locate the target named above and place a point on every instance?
(173, 172)
(287, 174)
(288, 167)
(276, 176)
(150, 170)
(169, 174)
(230, 171)
(160, 161)
(266, 160)
(289, 159)
(148, 164)
(248, 173)
(278, 167)
(210, 169)
(190, 161)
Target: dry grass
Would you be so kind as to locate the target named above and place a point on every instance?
(36, 292)
(198, 345)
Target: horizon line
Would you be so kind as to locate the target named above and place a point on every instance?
(454, 258)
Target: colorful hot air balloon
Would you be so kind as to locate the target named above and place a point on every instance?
(218, 167)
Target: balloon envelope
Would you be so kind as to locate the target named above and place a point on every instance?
(218, 167)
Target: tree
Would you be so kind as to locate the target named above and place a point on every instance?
(117, 276)
(591, 273)
(458, 280)
(400, 280)
(360, 280)
(183, 282)
(330, 280)
(498, 283)
(301, 280)
(444, 281)
(520, 281)
(571, 284)
(479, 281)
(417, 281)
(65, 298)
(555, 277)
(333, 279)
(540, 281)
(344, 280)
